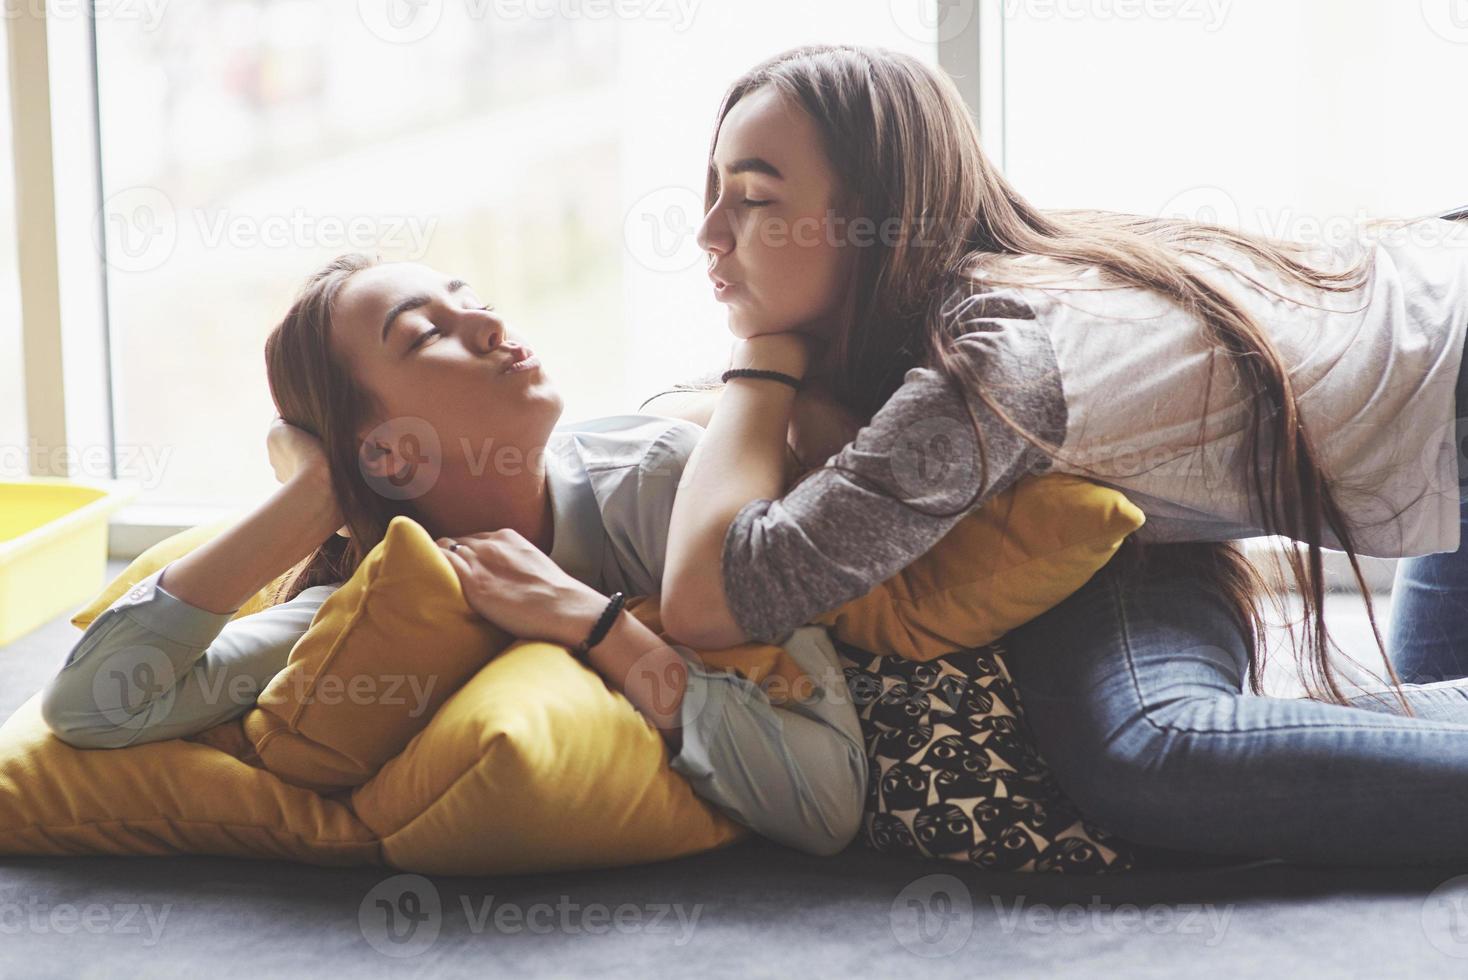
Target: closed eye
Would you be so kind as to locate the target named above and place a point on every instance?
(431, 331)
(434, 331)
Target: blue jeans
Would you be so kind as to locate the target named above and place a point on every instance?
(1134, 690)
(1428, 638)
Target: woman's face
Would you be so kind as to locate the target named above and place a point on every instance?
(772, 235)
(424, 346)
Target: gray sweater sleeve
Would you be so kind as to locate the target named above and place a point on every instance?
(834, 537)
(153, 667)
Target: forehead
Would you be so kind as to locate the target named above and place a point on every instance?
(768, 125)
(365, 298)
(379, 286)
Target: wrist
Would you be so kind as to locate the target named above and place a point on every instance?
(785, 353)
(313, 488)
(588, 614)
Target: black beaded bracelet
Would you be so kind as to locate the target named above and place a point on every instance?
(603, 626)
(757, 373)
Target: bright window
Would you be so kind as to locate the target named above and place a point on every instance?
(554, 161)
(1272, 115)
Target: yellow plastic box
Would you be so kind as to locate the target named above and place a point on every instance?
(53, 547)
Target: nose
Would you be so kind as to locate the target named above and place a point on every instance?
(716, 234)
(487, 330)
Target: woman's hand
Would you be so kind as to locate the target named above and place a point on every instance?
(516, 586)
(292, 451)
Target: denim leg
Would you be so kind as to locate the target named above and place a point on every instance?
(1428, 633)
(1133, 688)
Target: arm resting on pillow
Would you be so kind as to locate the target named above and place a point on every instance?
(795, 773)
(906, 480)
(154, 667)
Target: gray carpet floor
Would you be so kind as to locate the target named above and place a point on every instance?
(754, 909)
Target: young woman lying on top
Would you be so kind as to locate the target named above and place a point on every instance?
(426, 404)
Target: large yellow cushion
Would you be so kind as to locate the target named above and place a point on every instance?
(162, 798)
(1021, 554)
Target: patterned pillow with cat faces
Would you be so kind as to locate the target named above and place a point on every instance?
(955, 775)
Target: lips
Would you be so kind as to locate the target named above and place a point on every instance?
(719, 281)
(517, 354)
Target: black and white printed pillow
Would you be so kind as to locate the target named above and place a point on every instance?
(954, 773)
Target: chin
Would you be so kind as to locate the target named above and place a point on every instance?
(746, 327)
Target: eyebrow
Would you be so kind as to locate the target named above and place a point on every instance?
(412, 303)
(756, 165)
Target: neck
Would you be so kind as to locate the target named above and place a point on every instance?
(464, 501)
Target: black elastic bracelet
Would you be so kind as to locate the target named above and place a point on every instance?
(757, 373)
(603, 626)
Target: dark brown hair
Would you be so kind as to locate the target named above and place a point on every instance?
(906, 150)
(314, 390)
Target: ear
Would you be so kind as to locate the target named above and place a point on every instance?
(377, 459)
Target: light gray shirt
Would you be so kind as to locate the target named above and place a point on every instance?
(153, 666)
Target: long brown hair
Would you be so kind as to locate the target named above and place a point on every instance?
(905, 149)
(313, 389)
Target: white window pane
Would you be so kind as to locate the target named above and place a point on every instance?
(239, 136)
(1272, 113)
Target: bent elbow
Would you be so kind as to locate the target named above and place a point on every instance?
(64, 722)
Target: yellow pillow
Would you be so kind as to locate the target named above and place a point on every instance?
(1019, 555)
(161, 798)
(535, 765)
(383, 652)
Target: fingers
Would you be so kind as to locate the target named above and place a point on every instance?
(455, 555)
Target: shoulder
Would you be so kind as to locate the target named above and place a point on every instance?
(1001, 336)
